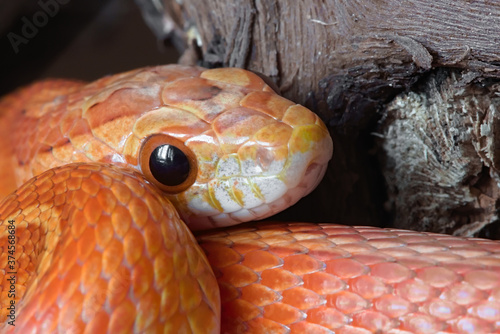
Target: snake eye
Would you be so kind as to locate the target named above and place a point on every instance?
(168, 163)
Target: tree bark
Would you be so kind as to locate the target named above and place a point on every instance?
(347, 61)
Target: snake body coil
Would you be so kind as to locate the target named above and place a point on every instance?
(92, 239)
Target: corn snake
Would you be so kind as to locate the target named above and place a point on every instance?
(105, 262)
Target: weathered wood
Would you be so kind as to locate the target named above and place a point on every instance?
(441, 157)
(346, 60)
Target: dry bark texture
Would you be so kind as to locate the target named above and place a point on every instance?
(346, 60)
(441, 154)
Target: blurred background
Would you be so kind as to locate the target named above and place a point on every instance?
(78, 39)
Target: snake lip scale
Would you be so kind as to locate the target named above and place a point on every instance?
(104, 182)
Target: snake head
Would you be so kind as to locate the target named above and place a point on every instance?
(248, 152)
(220, 143)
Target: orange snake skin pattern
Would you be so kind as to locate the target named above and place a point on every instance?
(102, 184)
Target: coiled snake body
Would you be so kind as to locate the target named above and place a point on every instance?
(92, 240)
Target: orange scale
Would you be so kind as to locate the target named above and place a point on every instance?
(347, 238)
(221, 256)
(92, 211)
(259, 260)
(346, 268)
(279, 279)
(422, 323)
(267, 102)
(245, 247)
(283, 313)
(273, 135)
(327, 317)
(368, 287)
(78, 200)
(469, 252)
(147, 310)
(106, 200)
(67, 257)
(323, 283)
(262, 325)
(413, 238)
(394, 306)
(416, 291)
(482, 279)
(462, 293)
(284, 250)
(391, 272)
(229, 292)
(112, 257)
(118, 287)
(104, 232)
(235, 76)
(191, 294)
(463, 267)
(259, 295)
(70, 316)
(243, 236)
(122, 318)
(417, 262)
(382, 243)
(372, 258)
(138, 211)
(121, 192)
(302, 298)
(85, 244)
(375, 322)
(83, 171)
(316, 243)
(142, 277)
(133, 244)
(121, 220)
(326, 253)
(491, 262)
(277, 239)
(241, 310)
(371, 233)
(308, 327)
(153, 240)
(156, 210)
(70, 282)
(428, 247)
(203, 319)
(347, 302)
(470, 325)
(268, 231)
(438, 277)
(238, 275)
(445, 256)
(356, 330)
(442, 309)
(28, 200)
(487, 310)
(355, 248)
(91, 187)
(94, 299)
(45, 200)
(51, 292)
(98, 323)
(302, 264)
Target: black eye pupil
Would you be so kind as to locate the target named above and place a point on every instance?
(169, 165)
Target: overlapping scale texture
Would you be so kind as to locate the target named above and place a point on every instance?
(99, 250)
(327, 278)
(257, 153)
